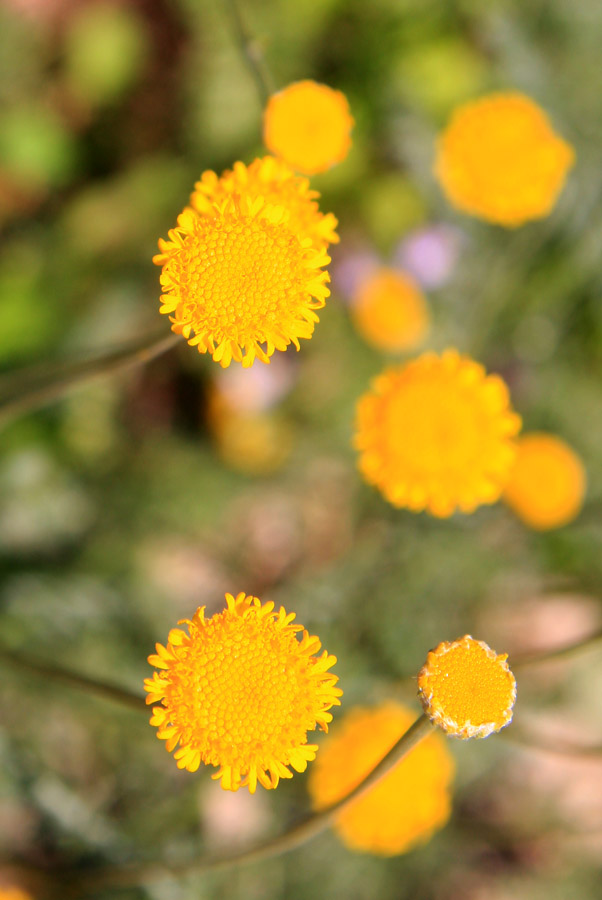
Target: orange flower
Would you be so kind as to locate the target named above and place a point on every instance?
(407, 805)
(547, 482)
(499, 159)
(467, 689)
(308, 125)
(389, 310)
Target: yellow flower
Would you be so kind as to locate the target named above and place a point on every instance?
(407, 805)
(240, 691)
(308, 125)
(274, 181)
(437, 434)
(390, 312)
(547, 482)
(467, 689)
(240, 277)
(499, 159)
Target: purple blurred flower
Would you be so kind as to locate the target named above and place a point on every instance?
(352, 268)
(430, 254)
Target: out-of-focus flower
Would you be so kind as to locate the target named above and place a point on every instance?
(240, 691)
(232, 819)
(546, 486)
(390, 311)
(13, 893)
(437, 434)
(258, 389)
(429, 254)
(499, 159)
(350, 269)
(240, 282)
(274, 181)
(308, 125)
(467, 689)
(407, 805)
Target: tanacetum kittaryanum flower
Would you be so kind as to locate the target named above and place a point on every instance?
(240, 281)
(466, 688)
(278, 185)
(546, 486)
(241, 691)
(437, 434)
(407, 805)
(499, 159)
(308, 125)
(390, 311)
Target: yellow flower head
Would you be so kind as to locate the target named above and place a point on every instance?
(308, 125)
(547, 482)
(467, 689)
(240, 277)
(407, 805)
(437, 434)
(500, 160)
(241, 691)
(274, 181)
(389, 310)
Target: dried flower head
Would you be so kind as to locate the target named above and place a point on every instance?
(437, 434)
(278, 185)
(240, 277)
(390, 312)
(241, 691)
(308, 125)
(407, 805)
(466, 688)
(500, 159)
(546, 486)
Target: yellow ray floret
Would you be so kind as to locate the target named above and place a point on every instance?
(274, 181)
(467, 689)
(240, 691)
(239, 283)
(309, 126)
(390, 311)
(546, 486)
(500, 159)
(406, 806)
(437, 434)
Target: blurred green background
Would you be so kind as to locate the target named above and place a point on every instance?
(124, 506)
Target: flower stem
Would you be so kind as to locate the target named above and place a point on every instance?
(33, 388)
(251, 53)
(523, 660)
(289, 840)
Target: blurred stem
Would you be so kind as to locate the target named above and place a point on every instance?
(251, 52)
(551, 745)
(33, 388)
(294, 837)
(523, 660)
(72, 679)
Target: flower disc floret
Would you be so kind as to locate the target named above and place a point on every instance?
(499, 159)
(308, 125)
(240, 691)
(437, 434)
(407, 805)
(239, 283)
(467, 689)
(274, 181)
(390, 311)
(546, 486)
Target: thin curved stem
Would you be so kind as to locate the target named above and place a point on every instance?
(551, 745)
(251, 53)
(30, 389)
(523, 660)
(289, 840)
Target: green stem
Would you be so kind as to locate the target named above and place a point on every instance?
(289, 840)
(552, 745)
(26, 391)
(523, 660)
(251, 53)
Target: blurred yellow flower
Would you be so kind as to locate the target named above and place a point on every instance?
(546, 486)
(437, 434)
(274, 181)
(407, 805)
(467, 689)
(308, 125)
(240, 691)
(390, 311)
(241, 277)
(13, 893)
(499, 159)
